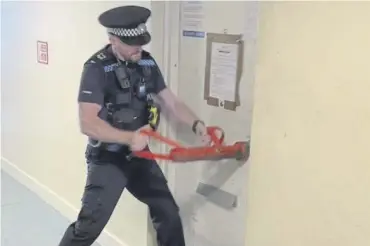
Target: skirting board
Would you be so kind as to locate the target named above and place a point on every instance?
(52, 198)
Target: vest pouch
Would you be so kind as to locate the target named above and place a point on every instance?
(149, 78)
(122, 77)
(141, 90)
(103, 113)
(123, 98)
(149, 87)
(129, 119)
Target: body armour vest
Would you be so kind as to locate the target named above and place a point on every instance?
(128, 88)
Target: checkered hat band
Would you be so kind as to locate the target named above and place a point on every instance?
(121, 32)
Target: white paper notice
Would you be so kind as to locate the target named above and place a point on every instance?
(192, 15)
(223, 72)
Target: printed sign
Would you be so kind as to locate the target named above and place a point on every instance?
(194, 34)
(192, 15)
(42, 52)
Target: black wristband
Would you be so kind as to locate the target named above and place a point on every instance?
(194, 127)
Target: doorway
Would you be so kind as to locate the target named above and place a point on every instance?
(206, 223)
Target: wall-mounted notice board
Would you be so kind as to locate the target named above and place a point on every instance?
(224, 65)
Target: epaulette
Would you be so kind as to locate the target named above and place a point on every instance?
(105, 58)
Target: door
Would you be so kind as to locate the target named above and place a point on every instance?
(206, 221)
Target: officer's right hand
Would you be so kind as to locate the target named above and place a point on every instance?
(139, 140)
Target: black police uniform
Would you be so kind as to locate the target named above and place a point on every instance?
(122, 89)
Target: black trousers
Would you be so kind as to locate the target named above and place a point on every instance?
(104, 186)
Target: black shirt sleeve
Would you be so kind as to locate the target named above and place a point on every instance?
(159, 83)
(91, 85)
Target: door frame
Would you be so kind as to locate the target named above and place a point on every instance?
(170, 69)
(165, 26)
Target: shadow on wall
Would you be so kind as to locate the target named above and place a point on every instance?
(216, 173)
(223, 172)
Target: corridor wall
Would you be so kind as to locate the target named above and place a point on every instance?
(41, 142)
(309, 181)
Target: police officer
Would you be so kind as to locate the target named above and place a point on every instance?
(116, 93)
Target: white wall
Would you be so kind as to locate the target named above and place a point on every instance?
(40, 133)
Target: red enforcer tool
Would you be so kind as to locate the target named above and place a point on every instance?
(217, 151)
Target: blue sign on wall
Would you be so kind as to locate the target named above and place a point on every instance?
(194, 34)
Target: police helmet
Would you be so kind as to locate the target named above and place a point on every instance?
(128, 23)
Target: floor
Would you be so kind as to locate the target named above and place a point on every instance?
(26, 219)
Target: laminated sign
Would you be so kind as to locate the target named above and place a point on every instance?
(223, 70)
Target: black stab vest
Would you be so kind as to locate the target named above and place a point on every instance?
(127, 93)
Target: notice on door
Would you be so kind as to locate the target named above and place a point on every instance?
(42, 52)
(223, 70)
(192, 15)
(224, 63)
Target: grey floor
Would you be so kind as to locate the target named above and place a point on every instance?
(26, 219)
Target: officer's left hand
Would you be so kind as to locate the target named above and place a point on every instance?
(201, 131)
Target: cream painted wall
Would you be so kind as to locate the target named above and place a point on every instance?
(40, 133)
(309, 181)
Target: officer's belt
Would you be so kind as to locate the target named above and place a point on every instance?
(103, 154)
(111, 147)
